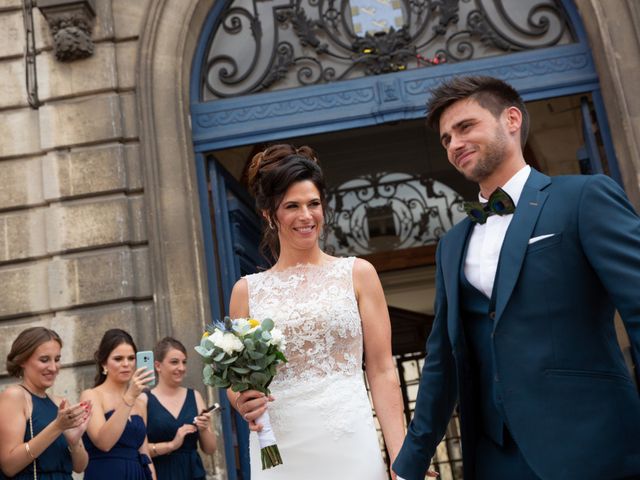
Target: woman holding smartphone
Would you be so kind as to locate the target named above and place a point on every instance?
(177, 418)
(40, 434)
(116, 435)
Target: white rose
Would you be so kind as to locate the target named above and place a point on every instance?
(216, 338)
(230, 343)
(277, 338)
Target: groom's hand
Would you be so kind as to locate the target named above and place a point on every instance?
(251, 404)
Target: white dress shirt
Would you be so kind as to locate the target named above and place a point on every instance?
(481, 262)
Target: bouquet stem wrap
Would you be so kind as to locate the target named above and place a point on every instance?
(269, 453)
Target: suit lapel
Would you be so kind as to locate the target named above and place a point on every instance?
(517, 237)
(452, 257)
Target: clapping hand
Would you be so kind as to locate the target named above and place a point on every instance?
(71, 416)
(74, 434)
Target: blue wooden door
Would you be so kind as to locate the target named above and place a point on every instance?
(237, 228)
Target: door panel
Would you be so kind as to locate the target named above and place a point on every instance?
(237, 235)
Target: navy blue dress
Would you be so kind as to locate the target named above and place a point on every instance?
(123, 461)
(55, 462)
(184, 463)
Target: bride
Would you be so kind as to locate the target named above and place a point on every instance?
(330, 311)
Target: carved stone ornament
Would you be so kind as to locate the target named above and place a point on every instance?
(71, 25)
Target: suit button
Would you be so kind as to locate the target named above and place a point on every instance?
(495, 378)
(492, 315)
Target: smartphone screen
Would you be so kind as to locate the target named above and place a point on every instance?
(145, 359)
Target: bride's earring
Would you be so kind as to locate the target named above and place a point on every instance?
(104, 371)
(271, 227)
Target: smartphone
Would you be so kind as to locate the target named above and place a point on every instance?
(212, 408)
(145, 359)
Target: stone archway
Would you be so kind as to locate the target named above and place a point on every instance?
(176, 253)
(167, 44)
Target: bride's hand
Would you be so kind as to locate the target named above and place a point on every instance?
(251, 404)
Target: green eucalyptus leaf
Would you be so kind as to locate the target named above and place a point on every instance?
(229, 360)
(258, 379)
(219, 383)
(254, 355)
(241, 370)
(202, 351)
(267, 324)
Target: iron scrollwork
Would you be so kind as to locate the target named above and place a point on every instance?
(388, 211)
(275, 44)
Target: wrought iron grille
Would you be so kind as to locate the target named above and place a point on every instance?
(447, 460)
(389, 211)
(263, 45)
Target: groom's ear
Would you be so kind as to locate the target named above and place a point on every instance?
(513, 117)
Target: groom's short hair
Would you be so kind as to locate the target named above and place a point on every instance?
(491, 93)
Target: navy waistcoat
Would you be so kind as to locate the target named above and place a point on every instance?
(478, 314)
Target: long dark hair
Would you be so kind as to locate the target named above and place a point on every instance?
(110, 340)
(270, 175)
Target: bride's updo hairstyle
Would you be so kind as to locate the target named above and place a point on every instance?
(270, 175)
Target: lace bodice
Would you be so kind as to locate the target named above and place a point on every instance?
(316, 309)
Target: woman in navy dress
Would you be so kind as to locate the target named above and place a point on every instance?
(116, 434)
(174, 426)
(37, 429)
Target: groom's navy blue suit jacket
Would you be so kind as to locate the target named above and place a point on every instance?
(567, 397)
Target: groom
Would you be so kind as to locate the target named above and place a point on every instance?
(523, 337)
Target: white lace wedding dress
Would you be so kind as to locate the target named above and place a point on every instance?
(321, 416)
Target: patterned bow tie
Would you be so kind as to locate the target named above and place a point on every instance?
(499, 203)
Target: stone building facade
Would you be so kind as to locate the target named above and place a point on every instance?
(99, 219)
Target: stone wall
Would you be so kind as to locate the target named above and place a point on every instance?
(74, 250)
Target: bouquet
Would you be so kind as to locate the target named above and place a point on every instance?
(243, 354)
